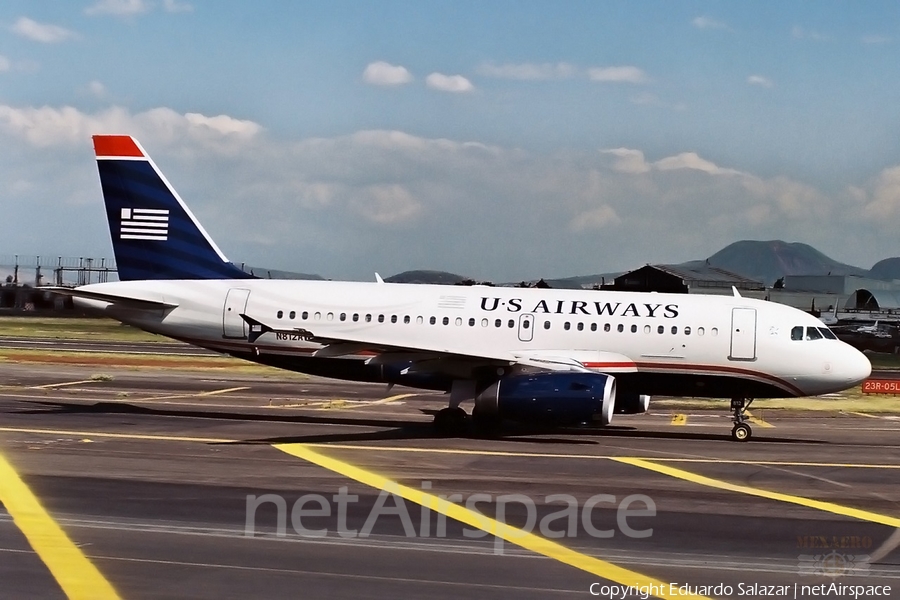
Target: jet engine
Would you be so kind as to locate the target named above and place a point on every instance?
(552, 398)
(631, 403)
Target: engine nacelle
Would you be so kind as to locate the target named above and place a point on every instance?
(553, 398)
(630, 403)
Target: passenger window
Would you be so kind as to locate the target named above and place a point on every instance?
(511, 324)
(279, 314)
(797, 333)
(634, 329)
(526, 324)
(714, 331)
(318, 316)
(406, 320)
(343, 316)
(700, 331)
(471, 322)
(304, 315)
(646, 329)
(567, 326)
(828, 333)
(368, 318)
(381, 318)
(292, 314)
(432, 320)
(330, 316)
(546, 324)
(355, 317)
(687, 331)
(660, 329)
(606, 327)
(419, 320)
(498, 323)
(484, 322)
(620, 328)
(458, 321)
(813, 334)
(393, 318)
(581, 327)
(445, 320)
(593, 327)
(674, 330)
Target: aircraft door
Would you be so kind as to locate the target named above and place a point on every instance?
(526, 327)
(743, 334)
(233, 326)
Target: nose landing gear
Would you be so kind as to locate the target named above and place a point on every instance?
(741, 431)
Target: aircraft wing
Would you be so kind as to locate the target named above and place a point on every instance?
(431, 357)
(114, 299)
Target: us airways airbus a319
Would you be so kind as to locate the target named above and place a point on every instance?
(533, 355)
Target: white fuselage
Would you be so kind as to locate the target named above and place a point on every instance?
(640, 334)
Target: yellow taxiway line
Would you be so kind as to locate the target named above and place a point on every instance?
(679, 420)
(457, 451)
(76, 575)
(499, 529)
(863, 515)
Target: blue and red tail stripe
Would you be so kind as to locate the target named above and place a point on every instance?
(154, 234)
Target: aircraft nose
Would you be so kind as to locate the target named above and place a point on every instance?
(855, 366)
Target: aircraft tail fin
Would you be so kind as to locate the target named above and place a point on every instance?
(154, 234)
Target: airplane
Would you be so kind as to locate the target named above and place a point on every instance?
(540, 356)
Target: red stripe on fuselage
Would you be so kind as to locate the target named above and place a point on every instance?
(116, 145)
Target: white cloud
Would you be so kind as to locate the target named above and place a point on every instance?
(528, 71)
(801, 33)
(173, 6)
(702, 22)
(382, 73)
(449, 83)
(5, 64)
(624, 74)
(629, 161)
(343, 206)
(53, 127)
(596, 218)
(96, 89)
(691, 160)
(42, 32)
(876, 39)
(118, 8)
(760, 81)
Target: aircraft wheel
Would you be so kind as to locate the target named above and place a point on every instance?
(741, 432)
(485, 425)
(451, 421)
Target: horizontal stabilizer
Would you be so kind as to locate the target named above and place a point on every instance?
(115, 299)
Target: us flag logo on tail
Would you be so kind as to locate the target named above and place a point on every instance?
(144, 224)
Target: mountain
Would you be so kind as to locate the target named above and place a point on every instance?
(889, 268)
(769, 260)
(422, 276)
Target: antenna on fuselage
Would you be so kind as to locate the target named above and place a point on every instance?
(378, 278)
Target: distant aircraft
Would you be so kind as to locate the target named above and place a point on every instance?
(533, 355)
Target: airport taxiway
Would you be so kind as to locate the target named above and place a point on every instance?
(148, 473)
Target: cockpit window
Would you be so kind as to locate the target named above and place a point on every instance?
(797, 333)
(828, 333)
(813, 334)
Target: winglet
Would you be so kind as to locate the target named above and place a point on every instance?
(378, 278)
(737, 294)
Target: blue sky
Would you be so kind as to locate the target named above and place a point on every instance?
(500, 140)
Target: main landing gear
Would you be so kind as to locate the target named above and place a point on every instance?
(452, 420)
(741, 431)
